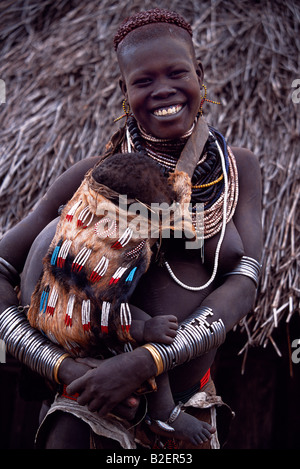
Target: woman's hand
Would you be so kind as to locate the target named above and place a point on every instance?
(71, 369)
(113, 380)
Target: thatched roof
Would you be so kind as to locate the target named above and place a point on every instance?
(62, 95)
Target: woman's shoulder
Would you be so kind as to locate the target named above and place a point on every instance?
(82, 166)
(63, 188)
(249, 170)
(245, 159)
(248, 165)
(73, 176)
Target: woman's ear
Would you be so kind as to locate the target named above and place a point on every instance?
(200, 72)
(123, 87)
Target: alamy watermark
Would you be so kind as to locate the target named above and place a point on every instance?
(2, 92)
(296, 92)
(158, 220)
(2, 351)
(296, 352)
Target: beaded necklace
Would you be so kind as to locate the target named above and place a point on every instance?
(164, 152)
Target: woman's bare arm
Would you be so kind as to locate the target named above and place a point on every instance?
(236, 296)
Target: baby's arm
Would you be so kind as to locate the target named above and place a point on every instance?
(144, 328)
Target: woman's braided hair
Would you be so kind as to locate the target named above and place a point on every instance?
(143, 18)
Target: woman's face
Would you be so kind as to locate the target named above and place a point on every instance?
(162, 84)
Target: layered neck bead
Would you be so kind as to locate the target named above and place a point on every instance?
(165, 152)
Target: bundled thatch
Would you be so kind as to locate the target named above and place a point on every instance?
(62, 95)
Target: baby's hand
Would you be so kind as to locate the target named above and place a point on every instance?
(161, 329)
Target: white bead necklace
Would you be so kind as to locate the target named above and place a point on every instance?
(222, 234)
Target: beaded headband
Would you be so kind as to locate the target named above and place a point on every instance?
(143, 18)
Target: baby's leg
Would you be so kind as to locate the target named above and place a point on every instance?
(185, 426)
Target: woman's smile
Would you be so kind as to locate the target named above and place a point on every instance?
(168, 111)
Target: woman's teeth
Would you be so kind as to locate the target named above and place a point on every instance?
(168, 111)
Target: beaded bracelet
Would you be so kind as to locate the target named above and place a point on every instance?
(28, 345)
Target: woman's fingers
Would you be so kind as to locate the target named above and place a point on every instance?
(77, 386)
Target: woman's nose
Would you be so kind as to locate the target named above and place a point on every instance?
(163, 89)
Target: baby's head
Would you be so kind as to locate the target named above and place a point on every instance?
(160, 76)
(136, 176)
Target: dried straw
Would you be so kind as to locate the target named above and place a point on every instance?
(61, 77)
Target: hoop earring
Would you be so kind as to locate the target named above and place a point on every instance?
(126, 109)
(204, 98)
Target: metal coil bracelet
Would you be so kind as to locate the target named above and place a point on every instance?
(249, 267)
(28, 345)
(195, 337)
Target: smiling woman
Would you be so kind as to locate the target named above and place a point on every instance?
(162, 82)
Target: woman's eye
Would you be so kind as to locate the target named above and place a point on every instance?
(142, 81)
(178, 73)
